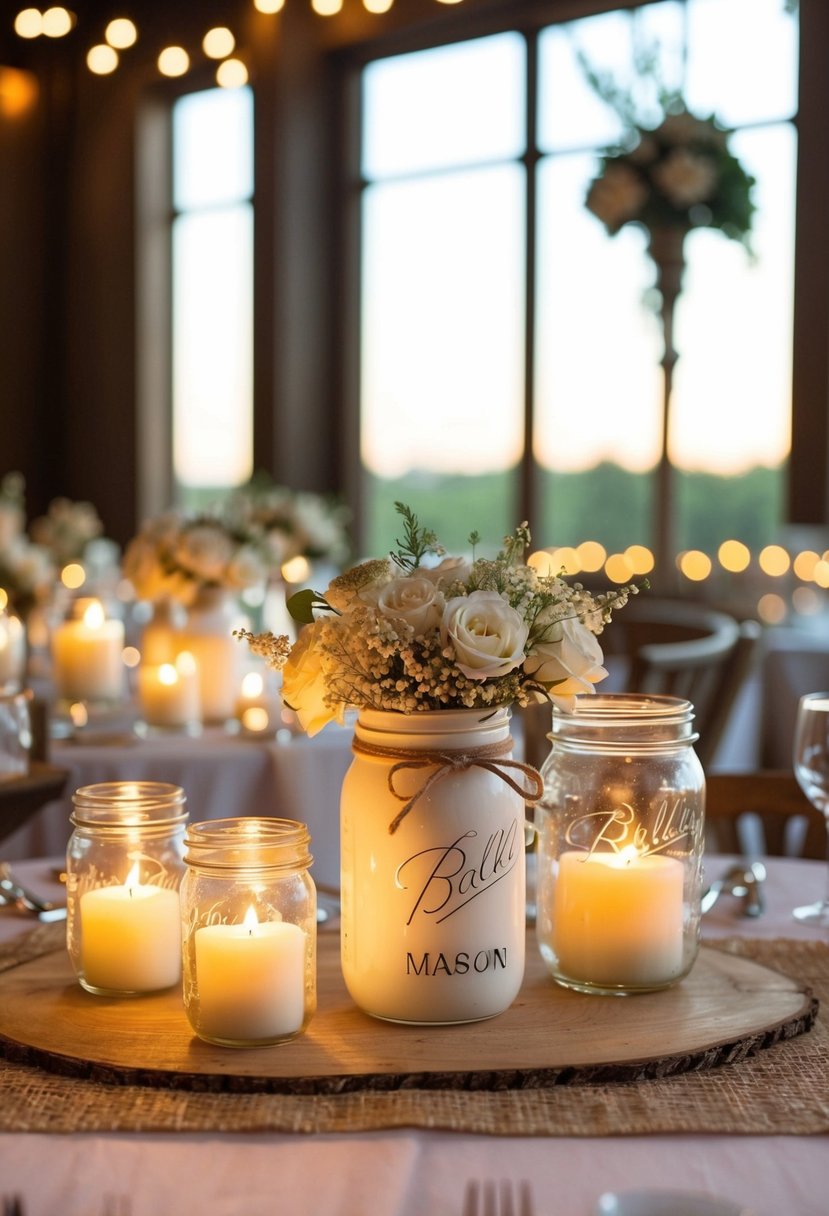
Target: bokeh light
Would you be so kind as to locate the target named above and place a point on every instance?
(57, 22)
(774, 560)
(28, 23)
(771, 609)
(231, 74)
(173, 61)
(695, 565)
(218, 43)
(639, 558)
(101, 59)
(618, 569)
(121, 33)
(733, 555)
(592, 555)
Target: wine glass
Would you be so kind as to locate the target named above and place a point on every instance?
(811, 768)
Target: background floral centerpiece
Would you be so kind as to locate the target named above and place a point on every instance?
(671, 171)
(293, 523)
(27, 570)
(66, 529)
(401, 634)
(175, 557)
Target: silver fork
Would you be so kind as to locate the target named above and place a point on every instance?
(503, 1198)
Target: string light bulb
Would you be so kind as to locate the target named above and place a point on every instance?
(326, 8)
(121, 33)
(377, 6)
(231, 74)
(218, 43)
(57, 22)
(173, 61)
(102, 59)
(28, 23)
(269, 6)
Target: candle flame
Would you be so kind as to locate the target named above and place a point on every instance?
(167, 674)
(628, 854)
(93, 616)
(133, 879)
(253, 684)
(251, 922)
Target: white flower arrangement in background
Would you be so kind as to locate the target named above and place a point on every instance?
(676, 172)
(293, 523)
(399, 634)
(66, 529)
(27, 570)
(175, 556)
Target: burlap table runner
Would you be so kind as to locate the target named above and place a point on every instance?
(782, 1090)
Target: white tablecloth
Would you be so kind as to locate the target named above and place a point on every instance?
(222, 775)
(416, 1173)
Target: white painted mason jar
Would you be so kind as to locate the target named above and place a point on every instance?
(432, 866)
(620, 840)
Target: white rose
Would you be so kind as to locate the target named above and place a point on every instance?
(450, 570)
(415, 600)
(567, 661)
(487, 634)
(616, 197)
(205, 551)
(685, 178)
(303, 682)
(246, 568)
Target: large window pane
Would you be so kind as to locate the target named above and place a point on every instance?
(442, 355)
(455, 105)
(212, 293)
(597, 382)
(213, 148)
(212, 350)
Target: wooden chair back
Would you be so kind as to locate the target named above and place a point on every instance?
(736, 804)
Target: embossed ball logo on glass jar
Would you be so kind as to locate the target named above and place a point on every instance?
(620, 837)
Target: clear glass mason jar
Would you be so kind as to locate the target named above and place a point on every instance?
(619, 844)
(124, 864)
(249, 914)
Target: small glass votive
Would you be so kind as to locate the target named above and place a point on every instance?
(124, 865)
(620, 835)
(249, 910)
(15, 735)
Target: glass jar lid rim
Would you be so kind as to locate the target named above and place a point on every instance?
(115, 802)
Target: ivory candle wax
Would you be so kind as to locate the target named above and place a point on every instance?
(169, 693)
(130, 938)
(87, 658)
(12, 651)
(618, 919)
(251, 980)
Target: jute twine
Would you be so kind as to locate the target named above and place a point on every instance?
(494, 757)
(780, 1091)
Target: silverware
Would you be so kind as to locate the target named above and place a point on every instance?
(743, 880)
(12, 892)
(503, 1198)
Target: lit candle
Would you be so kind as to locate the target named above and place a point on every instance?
(257, 709)
(250, 979)
(12, 651)
(168, 693)
(130, 937)
(617, 918)
(86, 654)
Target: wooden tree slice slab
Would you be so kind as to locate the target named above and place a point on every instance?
(726, 1009)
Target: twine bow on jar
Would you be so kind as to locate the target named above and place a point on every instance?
(494, 757)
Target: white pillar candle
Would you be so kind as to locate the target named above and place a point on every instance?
(168, 693)
(617, 918)
(12, 651)
(87, 657)
(131, 937)
(250, 979)
(257, 708)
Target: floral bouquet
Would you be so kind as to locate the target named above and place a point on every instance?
(174, 557)
(27, 571)
(66, 529)
(292, 523)
(672, 169)
(679, 174)
(402, 633)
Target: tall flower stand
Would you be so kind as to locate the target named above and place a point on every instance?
(665, 246)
